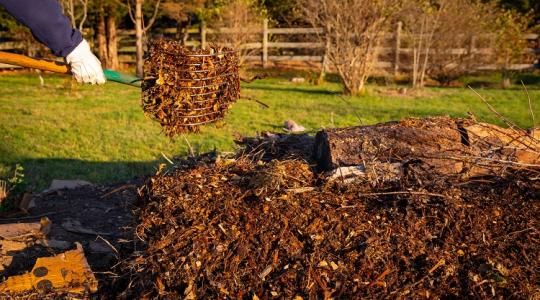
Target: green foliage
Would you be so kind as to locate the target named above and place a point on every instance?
(526, 7)
(509, 27)
(283, 12)
(7, 22)
(14, 177)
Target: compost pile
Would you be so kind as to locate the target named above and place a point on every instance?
(184, 89)
(267, 223)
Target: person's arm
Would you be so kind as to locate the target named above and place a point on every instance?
(51, 27)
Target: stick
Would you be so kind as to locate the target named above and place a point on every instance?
(118, 189)
(530, 105)
(492, 109)
(404, 193)
(253, 99)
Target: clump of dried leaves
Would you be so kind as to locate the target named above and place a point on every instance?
(185, 89)
(264, 225)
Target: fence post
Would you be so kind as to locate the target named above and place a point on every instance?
(472, 45)
(203, 35)
(265, 44)
(397, 47)
(324, 66)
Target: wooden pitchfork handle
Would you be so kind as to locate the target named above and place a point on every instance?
(62, 68)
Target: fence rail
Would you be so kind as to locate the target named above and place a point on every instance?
(276, 45)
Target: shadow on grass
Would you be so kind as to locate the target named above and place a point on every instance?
(529, 79)
(40, 172)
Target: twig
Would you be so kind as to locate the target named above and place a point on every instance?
(167, 159)
(492, 109)
(530, 104)
(118, 189)
(301, 190)
(191, 152)
(495, 160)
(109, 244)
(404, 193)
(253, 99)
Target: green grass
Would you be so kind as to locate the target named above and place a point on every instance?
(100, 134)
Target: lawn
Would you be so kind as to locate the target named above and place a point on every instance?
(100, 134)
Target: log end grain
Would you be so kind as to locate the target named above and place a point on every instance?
(321, 151)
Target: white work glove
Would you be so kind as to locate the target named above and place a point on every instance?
(85, 66)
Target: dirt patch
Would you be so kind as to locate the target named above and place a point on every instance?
(99, 218)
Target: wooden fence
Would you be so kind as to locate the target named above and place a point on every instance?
(285, 45)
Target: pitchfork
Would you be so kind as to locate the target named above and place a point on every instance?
(62, 68)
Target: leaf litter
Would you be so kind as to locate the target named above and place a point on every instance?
(185, 89)
(265, 224)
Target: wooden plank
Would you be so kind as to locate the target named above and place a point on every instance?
(234, 30)
(317, 58)
(397, 47)
(295, 30)
(515, 67)
(301, 45)
(265, 44)
(383, 64)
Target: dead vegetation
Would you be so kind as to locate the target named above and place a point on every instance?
(185, 89)
(267, 224)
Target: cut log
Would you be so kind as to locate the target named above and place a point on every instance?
(445, 145)
(390, 142)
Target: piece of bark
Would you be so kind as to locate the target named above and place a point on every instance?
(21, 231)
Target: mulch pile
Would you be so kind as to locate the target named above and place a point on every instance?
(184, 89)
(266, 224)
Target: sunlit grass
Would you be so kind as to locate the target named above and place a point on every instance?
(100, 133)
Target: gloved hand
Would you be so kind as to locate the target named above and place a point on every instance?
(85, 66)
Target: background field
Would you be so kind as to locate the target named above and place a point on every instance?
(66, 131)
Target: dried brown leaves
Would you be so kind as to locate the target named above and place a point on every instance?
(184, 89)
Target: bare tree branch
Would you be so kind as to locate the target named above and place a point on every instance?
(153, 19)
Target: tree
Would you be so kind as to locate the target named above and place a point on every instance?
(136, 14)
(283, 12)
(353, 30)
(184, 12)
(105, 16)
(421, 19)
(237, 24)
(530, 8)
(77, 11)
(509, 45)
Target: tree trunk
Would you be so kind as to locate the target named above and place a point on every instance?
(102, 37)
(139, 37)
(441, 145)
(506, 79)
(112, 43)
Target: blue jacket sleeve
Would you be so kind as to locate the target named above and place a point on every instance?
(47, 22)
